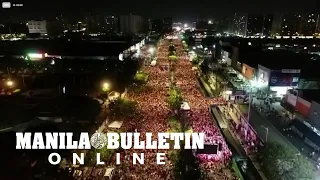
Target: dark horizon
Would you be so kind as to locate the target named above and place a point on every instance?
(178, 11)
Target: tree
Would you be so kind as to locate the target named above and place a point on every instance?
(282, 163)
(175, 98)
(141, 77)
(123, 107)
(171, 48)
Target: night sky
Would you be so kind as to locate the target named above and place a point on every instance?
(179, 10)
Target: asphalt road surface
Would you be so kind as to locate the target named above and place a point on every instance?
(260, 124)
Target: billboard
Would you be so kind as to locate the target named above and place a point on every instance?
(262, 78)
(283, 78)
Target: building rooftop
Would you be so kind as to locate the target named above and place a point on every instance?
(249, 54)
(309, 94)
(63, 47)
(282, 59)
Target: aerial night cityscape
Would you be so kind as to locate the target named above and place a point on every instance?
(160, 90)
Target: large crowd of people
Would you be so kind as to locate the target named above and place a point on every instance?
(153, 114)
(152, 117)
(199, 116)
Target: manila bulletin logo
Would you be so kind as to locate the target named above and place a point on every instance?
(111, 140)
(98, 140)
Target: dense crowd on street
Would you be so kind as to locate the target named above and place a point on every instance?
(153, 113)
(152, 116)
(199, 116)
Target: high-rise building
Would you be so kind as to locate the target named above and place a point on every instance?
(239, 24)
(131, 24)
(291, 24)
(95, 23)
(255, 24)
(167, 24)
(309, 24)
(112, 24)
(267, 24)
(276, 25)
(156, 25)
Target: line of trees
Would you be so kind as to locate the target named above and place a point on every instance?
(283, 163)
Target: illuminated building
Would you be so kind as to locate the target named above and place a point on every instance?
(239, 24)
(255, 25)
(291, 24)
(167, 24)
(39, 27)
(267, 24)
(156, 25)
(309, 24)
(112, 24)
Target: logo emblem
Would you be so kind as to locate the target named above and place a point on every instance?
(274, 80)
(98, 140)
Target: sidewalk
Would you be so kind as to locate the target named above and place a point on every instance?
(235, 142)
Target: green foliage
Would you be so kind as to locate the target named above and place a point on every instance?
(236, 169)
(172, 53)
(186, 166)
(173, 57)
(175, 98)
(172, 48)
(174, 124)
(141, 77)
(280, 162)
(195, 61)
(123, 107)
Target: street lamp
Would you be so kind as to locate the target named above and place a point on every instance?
(9, 83)
(105, 86)
(267, 132)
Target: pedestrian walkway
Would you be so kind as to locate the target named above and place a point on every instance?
(235, 143)
(234, 117)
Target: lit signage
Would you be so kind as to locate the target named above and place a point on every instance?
(274, 79)
(35, 56)
(290, 70)
(121, 57)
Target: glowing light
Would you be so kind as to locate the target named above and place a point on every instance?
(185, 25)
(35, 56)
(105, 86)
(10, 83)
(151, 50)
(121, 57)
